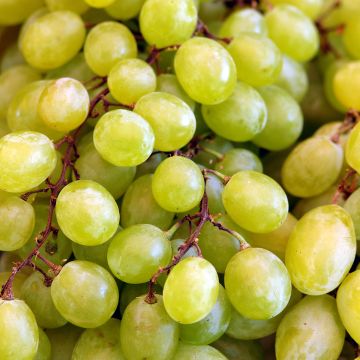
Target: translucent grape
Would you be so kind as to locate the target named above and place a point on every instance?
(44, 348)
(52, 39)
(178, 184)
(87, 213)
(350, 38)
(171, 119)
(271, 204)
(76, 6)
(321, 250)
(123, 138)
(352, 206)
(214, 188)
(16, 11)
(191, 290)
(106, 44)
(85, 294)
(167, 23)
(99, 3)
(352, 149)
(240, 117)
(197, 352)
(205, 70)
(311, 8)
(258, 60)
(124, 9)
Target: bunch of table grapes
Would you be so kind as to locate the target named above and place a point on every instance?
(179, 179)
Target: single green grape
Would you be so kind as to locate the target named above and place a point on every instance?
(167, 23)
(147, 331)
(87, 213)
(44, 348)
(76, 6)
(352, 206)
(99, 3)
(271, 205)
(205, 70)
(124, 9)
(123, 138)
(53, 39)
(20, 335)
(311, 8)
(258, 60)
(350, 36)
(171, 119)
(106, 44)
(321, 250)
(14, 12)
(197, 352)
(240, 117)
(214, 188)
(191, 290)
(85, 294)
(352, 149)
(18, 280)
(178, 184)
(311, 329)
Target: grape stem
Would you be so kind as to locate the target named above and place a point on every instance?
(347, 185)
(352, 117)
(202, 29)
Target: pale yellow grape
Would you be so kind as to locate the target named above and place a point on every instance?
(165, 23)
(26, 159)
(205, 70)
(311, 8)
(124, 9)
(197, 352)
(353, 149)
(77, 6)
(14, 12)
(106, 44)
(99, 3)
(351, 38)
(321, 250)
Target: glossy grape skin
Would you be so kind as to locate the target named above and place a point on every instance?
(38, 297)
(258, 60)
(171, 119)
(147, 331)
(88, 300)
(123, 138)
(311, 8)
(205, 70)
(311, 329)
(124, 9)
(350, 38)
(106, 44)
(348, 305)
(312, 167)
(214, 188)
(139, 206)
(284, 123)
(20, 335)
(76, 6)
(44, 348)
(137, 252)
(52, 39)
(167, 23)
(16, 11)
(178, 184)
(239, 118)
(197, 352)
(293, 32)
(100, 343)
(321, 250)
(99, 3)
(352, 149)
(352, 206)
(271, 202)
(191, 290)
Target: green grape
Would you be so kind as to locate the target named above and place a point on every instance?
(38, 297)
(205, 70)
(150, 165)
(18, 280)
(171, 119)
(139, 206)
(214, 188)
(76, 6)
(44, 348)
(147, 331)
(16, 11)
(311, 329)
(123, 138)
(293, 32)
(124, 9)
(350, 38)
(352, 149)
(137, 252)
(23, 112)
(293, 78)
(311, 8)
(168, 83)
(17, 219)
(99, 3)
(11, 57)
(348, 305)
(321, 250)
(52, 40)
(238, 118)
(178, 184)
(212, 11)
(20, 335)
(271, 204)
(27, 158)
(191, 290)
(312, 167)
(333, 128)
(258, 60)
(130, 79)
(352, 206)
(87, 213)
(285, 120)
(197, 352)
(167, 23)
(244, 20)
(64, 104)
(106, 44)
(212, 327)
(261, 297)
(85, 294)
(175, 245)
(236, 160)
(99, 343)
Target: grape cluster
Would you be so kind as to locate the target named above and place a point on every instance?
(179, 179)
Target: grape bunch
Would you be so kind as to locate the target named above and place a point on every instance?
(179, 179)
